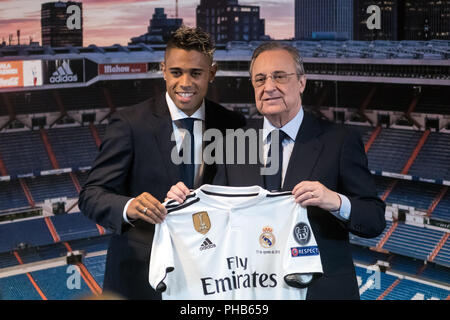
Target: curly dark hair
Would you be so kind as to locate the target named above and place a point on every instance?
(192, 38)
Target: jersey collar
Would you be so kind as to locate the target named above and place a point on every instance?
(217, 196)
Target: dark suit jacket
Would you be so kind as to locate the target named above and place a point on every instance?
(334, 156)
(135, 158)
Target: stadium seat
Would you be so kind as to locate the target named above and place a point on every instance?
(23, 152)
(392, 149)
(413, 241)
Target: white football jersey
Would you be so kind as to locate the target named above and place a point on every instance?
(234, 243)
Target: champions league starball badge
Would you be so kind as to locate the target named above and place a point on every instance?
(302, 233)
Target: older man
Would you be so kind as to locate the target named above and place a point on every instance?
(323, 164)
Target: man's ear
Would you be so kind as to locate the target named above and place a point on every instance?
(302, 83)
(212, 71)
(162, 67)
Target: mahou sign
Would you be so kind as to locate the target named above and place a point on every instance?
(122, 68)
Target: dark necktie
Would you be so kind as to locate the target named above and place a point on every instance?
(273, 182)
(188, 169)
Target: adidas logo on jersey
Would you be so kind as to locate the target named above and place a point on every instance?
(207, 244)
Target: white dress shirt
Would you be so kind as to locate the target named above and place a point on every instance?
(291, 129)
(178, 135)
(199, 127)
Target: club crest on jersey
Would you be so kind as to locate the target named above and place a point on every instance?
(302, 233)
(267, 239)
(201, 222)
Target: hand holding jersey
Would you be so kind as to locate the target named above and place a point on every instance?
(178, 192)
(234, 243)
(146, 207)
(313, 193)
(306, 193)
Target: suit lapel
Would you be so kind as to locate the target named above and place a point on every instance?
(163, 129)
(307, 149)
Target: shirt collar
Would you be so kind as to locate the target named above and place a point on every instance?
(177, 114)
(291, 128)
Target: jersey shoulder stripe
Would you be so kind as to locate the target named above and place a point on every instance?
(279, 194)
(174, 203)
(183, 205)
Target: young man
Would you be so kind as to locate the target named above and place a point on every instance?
(322, 164)
(135, 167)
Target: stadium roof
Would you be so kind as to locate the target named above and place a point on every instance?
(377, 61)
(240, 50)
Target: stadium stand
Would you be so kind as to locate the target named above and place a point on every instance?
(412, 290)
(64, 140)
(40, 253)
(419, 195)
(413, 241)
(96, 266)
(48, 187)
(392, 149)
(56, 284)
(374, 289)
(24, 233)
(434, 154)
(443, 257)
(7, 259)
(18, 288)
(11, 195)
(382, 183)
(372, 242)
(442, 210)
(74, 226)
(23, 152)
(433, 272)
(74, 147)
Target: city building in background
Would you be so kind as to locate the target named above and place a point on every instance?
(159, 29)
(226, 20)
(391, 20)
(62, 24)
(426, 20)
(18, 42)
(324, 19)
(404, 20)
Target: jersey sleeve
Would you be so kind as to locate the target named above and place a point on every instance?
(161, 258)
(301, 256)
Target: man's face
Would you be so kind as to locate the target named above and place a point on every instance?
(187, 74)
(276, 100)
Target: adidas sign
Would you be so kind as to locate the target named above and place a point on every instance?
(207, 244)
(63, 75)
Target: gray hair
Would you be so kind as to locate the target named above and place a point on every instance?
(274, 45)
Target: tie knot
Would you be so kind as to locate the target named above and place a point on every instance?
(187, 123)
(280, 133)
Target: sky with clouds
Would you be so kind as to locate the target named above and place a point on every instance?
(106, 22)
